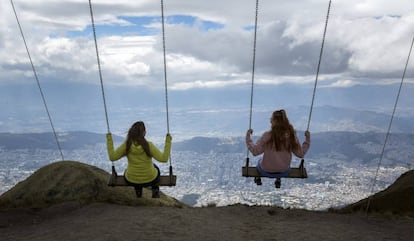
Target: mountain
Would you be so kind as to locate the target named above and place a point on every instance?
(211, 144)
(329, 118)
(207, 112)
(46, 140)
(67, 181)
(349, 145)
(398, 199)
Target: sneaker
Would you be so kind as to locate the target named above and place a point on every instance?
(155, 193)
(278, 183)
(258, 181)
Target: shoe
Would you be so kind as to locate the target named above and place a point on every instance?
(155, 193)
(138, 192)
(278, 183)
(258, 181)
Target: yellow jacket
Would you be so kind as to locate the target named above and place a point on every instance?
(140, 168)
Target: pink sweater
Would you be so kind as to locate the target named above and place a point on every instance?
(274, 161)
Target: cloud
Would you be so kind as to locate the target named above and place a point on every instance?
(366, 42)
(343, 83)
(200, 84)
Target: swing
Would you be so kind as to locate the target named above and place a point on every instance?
(116, 180)
(295, 172)
(299, 172)
(119, 180)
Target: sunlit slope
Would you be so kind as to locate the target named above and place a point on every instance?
(398, 198)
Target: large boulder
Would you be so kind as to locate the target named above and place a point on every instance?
(68, 181)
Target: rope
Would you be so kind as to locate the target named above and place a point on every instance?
(253, 69)
(99, 66)
(319, 65)
(100, 76)
(165, 67)
(389, 126)
(165, 76)
(37, 81)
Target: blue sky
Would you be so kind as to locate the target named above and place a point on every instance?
(209, 47)
(145, 26)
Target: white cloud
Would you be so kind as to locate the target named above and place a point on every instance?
(368, 40)
(187, 65)
(126, 57)
(208, 84)
(343, 83)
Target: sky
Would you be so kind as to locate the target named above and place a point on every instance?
(209, 46)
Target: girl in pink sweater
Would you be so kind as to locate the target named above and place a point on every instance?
(277, 146)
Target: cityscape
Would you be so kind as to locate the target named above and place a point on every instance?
(207, 177)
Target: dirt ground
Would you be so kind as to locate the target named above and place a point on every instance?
(109, 222)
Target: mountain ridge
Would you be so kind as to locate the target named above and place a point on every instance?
(349, 145)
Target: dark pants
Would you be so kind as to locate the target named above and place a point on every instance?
(154, 184)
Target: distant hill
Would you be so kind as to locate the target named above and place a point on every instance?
(46, 140)
(398, 198)
(350, 146)
(330, 118)
(211, 144)
(66, 181)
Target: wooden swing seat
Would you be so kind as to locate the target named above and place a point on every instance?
(296, 172)
(119, 181)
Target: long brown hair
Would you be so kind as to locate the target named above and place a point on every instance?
(283, 135)
(136, 135)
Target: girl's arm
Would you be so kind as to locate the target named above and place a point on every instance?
(117, 154)
(157, 154)
(302, 149)
(258, 148)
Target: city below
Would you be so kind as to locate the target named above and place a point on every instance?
(207, 177)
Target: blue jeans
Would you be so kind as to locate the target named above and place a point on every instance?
(271, 174)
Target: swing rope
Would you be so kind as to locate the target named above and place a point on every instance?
(389, 127)
(253, 64)
(100, 74)
(165, 66)
(99, 67)
(253, 74)
(165, 79)
(38, 83)
(319, 65)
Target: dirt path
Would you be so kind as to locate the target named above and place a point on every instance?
(114, 222)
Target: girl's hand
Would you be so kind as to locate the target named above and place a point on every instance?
(168, 137)
(307, 135)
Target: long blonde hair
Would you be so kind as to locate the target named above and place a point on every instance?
(283, 136)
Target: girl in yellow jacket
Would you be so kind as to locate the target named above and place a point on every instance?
(141, 171)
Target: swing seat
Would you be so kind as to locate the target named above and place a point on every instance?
(116, 180)
(299, 172)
